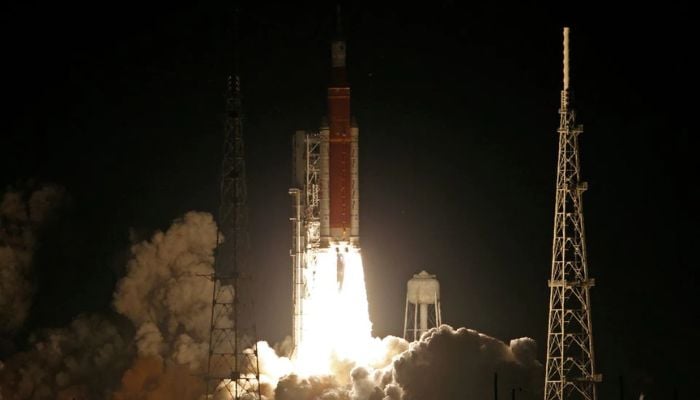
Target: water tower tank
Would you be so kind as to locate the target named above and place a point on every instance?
(422, 305)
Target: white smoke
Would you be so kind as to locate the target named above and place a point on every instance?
(449, 363)
(149, 340)
(363, 386)
(22, 215)
(167, 290)
(294, 387)
(445, 363)
(392, 391)
(272, 367)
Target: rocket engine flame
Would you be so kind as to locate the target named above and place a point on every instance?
(336, 324)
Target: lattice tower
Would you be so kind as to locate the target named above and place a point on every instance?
(570, 367)
(232, 366)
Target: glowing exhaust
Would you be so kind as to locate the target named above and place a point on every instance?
(335, 323)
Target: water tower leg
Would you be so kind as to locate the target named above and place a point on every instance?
(423, 318)
(405, 321)
(415, 322)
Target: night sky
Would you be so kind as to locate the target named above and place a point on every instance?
(457, 108)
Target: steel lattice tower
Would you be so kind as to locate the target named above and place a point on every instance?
(232, 366)
(570, 367)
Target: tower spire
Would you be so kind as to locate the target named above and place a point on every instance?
(570, 367)
(566, 58)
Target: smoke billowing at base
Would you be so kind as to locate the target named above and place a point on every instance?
(155, 344)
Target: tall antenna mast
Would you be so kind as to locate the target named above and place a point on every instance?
(570, 367)
(232, 366)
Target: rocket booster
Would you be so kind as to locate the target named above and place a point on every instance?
(339, 194)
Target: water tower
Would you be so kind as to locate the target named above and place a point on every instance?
(422, 305)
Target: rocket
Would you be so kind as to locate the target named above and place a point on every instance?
(325, 193)
(339, 183)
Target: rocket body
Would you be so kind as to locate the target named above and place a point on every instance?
(339, 195)
(326, 216)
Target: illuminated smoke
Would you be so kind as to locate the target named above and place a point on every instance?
(168, 303)
(167, 290)
(449, 363)
(445, 363)
(22, 216)
(150, 378)
(363, 386)
(166, 296)
(392, 392)
(294, 387)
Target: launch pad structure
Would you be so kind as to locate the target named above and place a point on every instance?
(570, 367)
(306, 219)
(232, 364)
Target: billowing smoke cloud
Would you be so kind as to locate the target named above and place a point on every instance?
(22, 215)
(346, 380)
(166, 296)
(150, 378)
(167, 291)
(80, 361)
(449, 363)
(392, 391)
(293, 387)
(445, 363)
(363, 386)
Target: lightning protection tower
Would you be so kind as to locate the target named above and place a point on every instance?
(232, 366)
(570, 368)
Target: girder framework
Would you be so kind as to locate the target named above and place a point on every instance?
(570, 367)
(312, 220)
(232, 366)
(306, 222)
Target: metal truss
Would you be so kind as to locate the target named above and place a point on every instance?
(232, 366)
(312, 221)
(570, 367)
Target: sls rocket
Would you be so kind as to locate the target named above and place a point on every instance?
(339, 183)
(325, 193)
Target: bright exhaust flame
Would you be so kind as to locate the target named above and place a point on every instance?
(335, 322)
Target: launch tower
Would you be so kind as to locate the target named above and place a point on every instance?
(570, 368)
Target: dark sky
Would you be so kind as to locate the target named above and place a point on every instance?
(457, 109)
